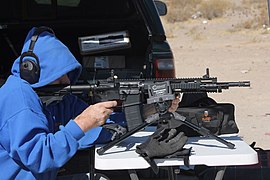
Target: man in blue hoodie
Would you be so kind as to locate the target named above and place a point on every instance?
(32, 144)
(37, 139)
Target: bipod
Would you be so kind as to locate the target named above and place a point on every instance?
(154, 118)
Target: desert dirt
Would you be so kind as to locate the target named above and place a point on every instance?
(231, 56)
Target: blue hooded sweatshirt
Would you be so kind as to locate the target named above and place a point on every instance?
(32, 145)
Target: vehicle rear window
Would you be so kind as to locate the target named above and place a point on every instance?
(66, 9)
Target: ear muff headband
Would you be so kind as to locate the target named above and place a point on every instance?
(29, 68)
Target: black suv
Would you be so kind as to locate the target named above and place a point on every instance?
(125, 37)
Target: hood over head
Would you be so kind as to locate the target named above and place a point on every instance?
(55, 59)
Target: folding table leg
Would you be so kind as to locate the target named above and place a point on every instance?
(171, 174)
(91, 163)
(220, 173)
(133, 174)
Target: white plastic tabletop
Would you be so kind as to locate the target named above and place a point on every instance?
(205, 151)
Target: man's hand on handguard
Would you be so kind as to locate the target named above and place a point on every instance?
(150, 109)
(95, 115)
(174, 104)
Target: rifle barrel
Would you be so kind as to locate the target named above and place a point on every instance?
(240, 84)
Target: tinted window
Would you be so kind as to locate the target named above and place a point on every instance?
(66, 9)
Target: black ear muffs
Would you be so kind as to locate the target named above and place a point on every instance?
(29, 67)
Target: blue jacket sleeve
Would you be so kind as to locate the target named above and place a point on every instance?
(32, 144)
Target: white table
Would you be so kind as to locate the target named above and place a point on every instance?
(205, 151)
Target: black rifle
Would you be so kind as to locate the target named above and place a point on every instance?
(131, 94)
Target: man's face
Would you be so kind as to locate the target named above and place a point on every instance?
(62, 80)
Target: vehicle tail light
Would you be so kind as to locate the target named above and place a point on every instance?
(164, 68)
